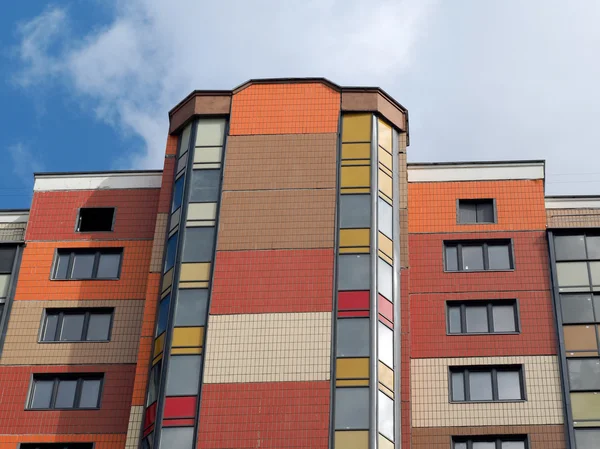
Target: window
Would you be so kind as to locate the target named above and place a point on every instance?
(476, 211)
(177, 437)
(56, 446)
(385, 415)
(478, 255)
(204, 186)
(580, 308)
(65, 392)
(355, 211)
(77, 325)
(486, 383)
(198, 244)
(96, 219)
(87, 264)
(482, 317)
(191, 308)
(490, 442)
(7, 258)
(183, 375)
(584, 374)
(352, 337)
(351, 408)
(577, 262)
(177, 194)
(354, 272)
(587, 438)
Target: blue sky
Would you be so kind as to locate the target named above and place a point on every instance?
(87, 84)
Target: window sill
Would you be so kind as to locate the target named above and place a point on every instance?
(476, 223)
(85, 279)
(62, 409)
(469, 334)
(481, 271)
(71, 341)
(512, 401)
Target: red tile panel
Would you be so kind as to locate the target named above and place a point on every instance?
(180, 407)
(405, 349)
(292, 108)
(112, 417)
(265, 415)
(427, 265)
(272, 281)
(519, 204)
(110, 441)
(428, 327)
(54, 214)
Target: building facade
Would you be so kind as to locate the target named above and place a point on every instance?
(289, 281)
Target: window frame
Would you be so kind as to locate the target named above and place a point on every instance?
(57, 378)
(71, 445)
(84, 251)
(476, 201)
(497, 439)
(78, 221)
(489, 305)
(87, 312)
(493, 369)
(484, 244)
(590, 287)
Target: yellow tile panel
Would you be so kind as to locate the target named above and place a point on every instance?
(355, 237)
(355, 176)
(385, 159)
(385, 184)
(159, 344)
(386, 376)
(385, 245)
(178, 351)
(352, 383)
(356, 151)
(167, 279)
(194, 272)
(202, 211)
(206, 155)
(384, 135)
(188, 337)
(585, 406)
(352, 439)
(384, 443)
(356, 127)
(352, 368)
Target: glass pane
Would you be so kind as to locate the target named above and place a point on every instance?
(458, 386)
(65, 396)
(183, 375)
(177, 437)
(198, 244)
(163, 315)
(72, 327)
(99, 327)
(480, 386)
(451, 258)
(454, 326)
(499, 257)
(42, 393)
(593, 247)
(177, 194)
(7, 256)
(83, 265)
(351, 408)
(108, 267)
(210, 132)
(513, 445)
(385, 218)
(352, 337)
(597, 308)
(385, 283)
(572, 274)
(191, 308)
(584, 374)
(485, 212)
(576, 308)
(354, 272)
(90, 393)
(171, 250)
(355, 211)
(385, 415)
(62, 265)
(509, 385)
(468, 212)
(386, 344)
(460, 445)
(204, 186)
(472, 258)
(477, 319)
(153, 382)
(4, 283)
(569, 247)
(50, 328)
(504, 318)
(587, 438)
(484, 445)
(595, 272)
(185, 139)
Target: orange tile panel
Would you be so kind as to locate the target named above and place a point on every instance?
(36, 265)
(141, 371)
(171, 145)
(152, 292)
(295, 108)
(519, 204)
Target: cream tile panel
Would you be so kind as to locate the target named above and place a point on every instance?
(134, 427)
(159, 243)
(271, 347)
(12, 232)
(430, 401)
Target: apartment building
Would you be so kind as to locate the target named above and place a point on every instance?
(287, 280)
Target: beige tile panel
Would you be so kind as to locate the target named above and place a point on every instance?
(21, 346)
(134, 427)
(159, 243)
(573, 218)
(271, 347)
(12, 232)
(430, 401)
(277, 219)
(289, 161)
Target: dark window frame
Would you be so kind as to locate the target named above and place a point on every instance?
(498, 439)
(593, 294)
(590, 286)
(96, 252)
(489, 304)
(78, 221)
(87, 312)
(57, 378)
(476, 202)
(485, 244)
(568, 376)
(494, 369)
(72, 445)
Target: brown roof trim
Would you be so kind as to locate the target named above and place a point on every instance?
(250, 82)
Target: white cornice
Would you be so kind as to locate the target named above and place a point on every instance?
(97, 181)
(14, 216)
(590, 202)
(475, 172)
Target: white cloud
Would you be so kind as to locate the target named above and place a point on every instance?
(154, 53)
(25, 162)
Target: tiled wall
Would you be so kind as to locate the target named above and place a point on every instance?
(430, 394)
(12, 232)
(573, 218)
